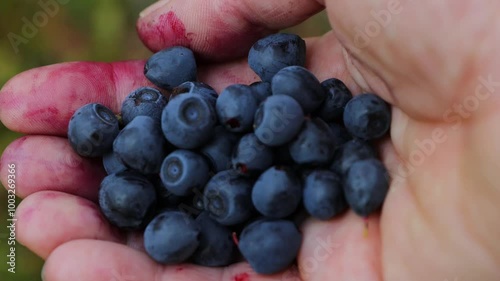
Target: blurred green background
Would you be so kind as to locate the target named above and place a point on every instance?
(96, 30)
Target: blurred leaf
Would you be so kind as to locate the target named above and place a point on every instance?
(108, 27)
(10, 64)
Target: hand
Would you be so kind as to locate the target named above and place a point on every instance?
(436, 62)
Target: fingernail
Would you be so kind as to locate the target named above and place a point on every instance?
(149, 10)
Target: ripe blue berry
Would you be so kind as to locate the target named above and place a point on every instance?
(278, 120)
(197, 88)
(227, 197)
(367, 116)
(314, 145)
(216, 246)
(171, 67)
(112, 163)
(300, 84)
(184, 170)
(274, 52)
(366, 186)
(127, 199)
(171, 237)
(92, 130)
(143, 101)
(251, 156)
(141, 146)
(277, 192)
(337, 96)
(324, 194)
(270, 246)
(188, 121)
(349, 153)
(219, 149)
(236, 108)
(261, 90)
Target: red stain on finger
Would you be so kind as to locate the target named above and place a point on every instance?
(165, 31)
(242, 277)
(7, 98)
(49, 115)
(17, 144)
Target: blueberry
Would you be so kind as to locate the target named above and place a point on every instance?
(92, 130)
(340, 134)
(337, 96)
(184, 170)
(188, 121)
(300, 84)
(324, 194)
(227, 196)
(349, 153)
(143, 101)
(127, 199)
(251, 156)
(278, 120)
(274, 52)
(219, 149)
(277, 192)
(112, 163)
(270, 246)
(367, 116)
(236, 108)
(141, 146)
(216, 246)
(171, 237)
(314, 145)
(171, 67)
(366, 186)
(261, 90)
(197, 88)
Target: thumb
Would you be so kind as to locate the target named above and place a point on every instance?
(220, 29)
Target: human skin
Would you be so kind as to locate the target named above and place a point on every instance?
(436, 62)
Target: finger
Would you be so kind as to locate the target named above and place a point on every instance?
(48, 219)
(83, 260)
(220, 29)
(42, 100)
(342, 247)
(55, 167)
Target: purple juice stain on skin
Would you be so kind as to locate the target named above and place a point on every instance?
(168, 30)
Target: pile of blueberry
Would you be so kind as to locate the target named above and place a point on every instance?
(214, 179)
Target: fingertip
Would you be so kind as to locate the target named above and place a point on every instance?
(222, 29)
(161, 28)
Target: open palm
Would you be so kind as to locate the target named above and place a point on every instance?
(436, 62)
